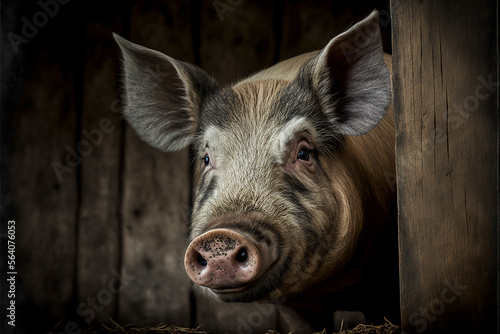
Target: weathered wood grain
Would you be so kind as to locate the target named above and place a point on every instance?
(217, 317)
(99, 215)
(237, 38)
(445, 101)
(310, 25)
(44, 203)
(156, 188)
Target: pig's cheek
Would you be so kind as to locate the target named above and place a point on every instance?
(307, 167)
(301, 168)
(292, 168)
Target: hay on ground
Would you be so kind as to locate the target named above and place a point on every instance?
(115, 328)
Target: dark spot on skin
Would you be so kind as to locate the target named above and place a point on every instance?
(203, 83)
(137, 212)
(304, 218)
(298, 210)
(202, 182)
(299, 99)
(296, 185)
(189, 215)
(218, 246)
(219, 109)
(256, 229)
(208, 192)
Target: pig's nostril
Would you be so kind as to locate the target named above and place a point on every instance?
(201, 260)
(223, 260)
(242, 255)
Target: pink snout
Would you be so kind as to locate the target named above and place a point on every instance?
(223, 260)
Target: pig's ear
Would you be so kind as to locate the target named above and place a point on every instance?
(162, 96)
(351, 78)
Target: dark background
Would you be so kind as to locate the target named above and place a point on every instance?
(122, 208)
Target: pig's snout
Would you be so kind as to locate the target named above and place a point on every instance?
(223, 260)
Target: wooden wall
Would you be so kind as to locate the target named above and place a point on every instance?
(121, 210)
(445, 62)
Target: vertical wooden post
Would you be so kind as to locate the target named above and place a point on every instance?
(156, 191)
(45, 200)
(99, 220)
(43, 170)
(445, 61)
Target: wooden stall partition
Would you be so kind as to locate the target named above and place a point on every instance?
(309, 26)
(445, 61)
(99, 233)
(236, 38)
(156, 191)
(43, 171)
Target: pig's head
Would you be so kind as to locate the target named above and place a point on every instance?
(276, 208)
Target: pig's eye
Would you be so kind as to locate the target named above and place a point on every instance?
(206, 159)
(304, 154)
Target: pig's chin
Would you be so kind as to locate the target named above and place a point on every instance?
(251, 292)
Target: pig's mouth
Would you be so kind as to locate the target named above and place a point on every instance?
(223, 291)
(250, 292)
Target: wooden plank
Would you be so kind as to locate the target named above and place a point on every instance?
(446, 111)
(236, 40)
(310, 25)
(43, 175)
(156, 188)
(217, 317)
(99, 220)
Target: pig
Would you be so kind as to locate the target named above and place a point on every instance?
(291, 203)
